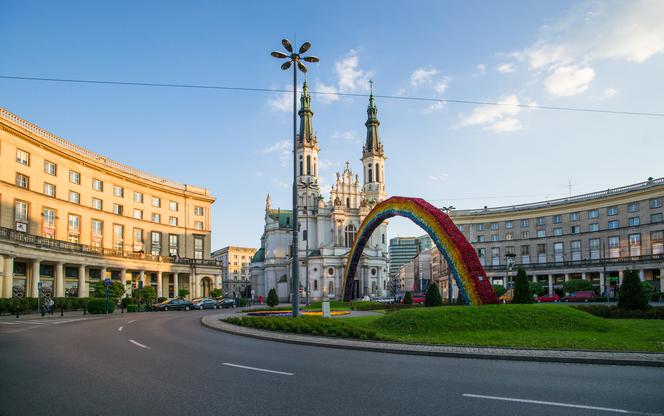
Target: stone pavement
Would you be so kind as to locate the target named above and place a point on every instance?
(491, 353)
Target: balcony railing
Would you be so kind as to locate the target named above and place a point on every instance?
(42, 242)
(570, 264)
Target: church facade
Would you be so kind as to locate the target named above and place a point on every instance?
(327, 225)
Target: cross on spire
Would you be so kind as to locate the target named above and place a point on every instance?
(371, 86)
(348, 165)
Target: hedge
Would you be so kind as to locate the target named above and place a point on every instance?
(98, 305)
(311, 325)
(614, 312)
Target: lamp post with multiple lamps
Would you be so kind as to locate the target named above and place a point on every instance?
(295, 60)
(447, 210)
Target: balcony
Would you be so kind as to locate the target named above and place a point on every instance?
(571, 264)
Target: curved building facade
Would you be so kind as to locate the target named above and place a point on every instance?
(594, 236)
(70, 217)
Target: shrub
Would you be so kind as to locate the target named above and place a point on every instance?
(216, 293)
(521, 288)
(161, 299)
(614, 312)
(576, 285)
(61, 303)
(432, 297)
(83, 303)
(132, 307)
(632, 295)
(5, 306)
(408, 298)
(183, 293)
(305, 325)
(535, 288)
(499, 290)
(98, 305)
(115, 290)
(365, 305)
(272, 298)
(243, 301)
(73, 303)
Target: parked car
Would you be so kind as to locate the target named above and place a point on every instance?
(383, 300)
(173, 305)
(227, 303)
(418, 299)
(547, 298)
(580, 296)
(205, 303)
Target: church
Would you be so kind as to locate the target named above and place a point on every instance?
(327, 226)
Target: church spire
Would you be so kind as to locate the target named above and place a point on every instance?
(306, 135)
(372, 144)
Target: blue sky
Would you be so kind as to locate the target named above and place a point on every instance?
(606, 55)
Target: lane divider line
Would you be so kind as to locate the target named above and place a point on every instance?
(138, 344)
(258, 369)
(131, 322)
(120, 329)
(559, 404)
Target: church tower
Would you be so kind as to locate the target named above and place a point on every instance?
(373, 156)
(307, 154)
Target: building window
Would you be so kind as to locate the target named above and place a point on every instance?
(49, 189)
(633, 207)
(613, 224)
(155, 245)
(172, 245)
(593, 213)
(509, 236)
(22, 181)
(575, 249)
(118, 237)
(495, 256)
(50, 168)
(525, 254)
(156, 202)
(117, 209)
(74, 197)
(173, 221)
(481, 253)
(494, 226)
(557, 219)
(612, 211)
(155, 217)
(480, 227)
(657, 242)
(593, 227)
(558, 254)
(541, 233)
(540, 221)
(74, 222)
(198, 225)
(21, 211)
(97, 185)
(574, 216)
(525, 234)
(655, 203)
(23, 157)
(480, 238)
(138, 240)
(656, 218)
(494, 237)
(48, 228)
(198, 247)
(541, 253)
(634, 221)
(97, 233)
(118, 191)
(349, 233)
(199, 211)
(138, 214)
(635, 244)
(172, 205)
(525, 223)
(461, 228)
(558, 231)
(97, 204)
(576, 229)
(508, 224)
(138, 197)
(594, 248)
(614, 246)
(74, 177)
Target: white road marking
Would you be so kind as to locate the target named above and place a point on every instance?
(9, 323)
(132, 321)
(34, 322)
(120, 329)
(559, 404)
(139, 344)
(258, 369)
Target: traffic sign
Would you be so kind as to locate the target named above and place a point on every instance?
(107, 282)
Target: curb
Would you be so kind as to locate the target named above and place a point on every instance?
(485, 353)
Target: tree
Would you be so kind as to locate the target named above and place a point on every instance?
(432, 297)
(408, 298)
(521, 288)
(499, 290)
(272, 298)
(182, 293)
(632, 295)
(535, 288)
(576, 285)
(115, 290)
(216, 293)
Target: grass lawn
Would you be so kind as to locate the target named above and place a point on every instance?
(527, 326)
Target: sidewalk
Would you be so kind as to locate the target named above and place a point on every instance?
(487, 353)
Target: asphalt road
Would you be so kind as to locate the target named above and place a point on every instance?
(166, 363)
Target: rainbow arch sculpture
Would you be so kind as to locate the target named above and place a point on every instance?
(460, 255)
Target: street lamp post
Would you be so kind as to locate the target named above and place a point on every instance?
(295, 60)
(509, 263)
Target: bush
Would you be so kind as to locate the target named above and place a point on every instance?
(216, 293)
(272, 298)
(364, 305)
(576, 285)
(243, 301)
(5, 306)
(535, 288)
(161, 299)
(305, 325)
(183, 293)
(499, 290)
(132, 308)
(408, 298)
(614, 312)
(115, 290)
(432, 297)
(632, 295)
(98, 305)
(61, 304)
(522, 288)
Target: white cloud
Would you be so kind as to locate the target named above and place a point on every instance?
(437, 106)
(489, 114)
(324, 164)
(281, 184)
(543, 55)
(569, 80)
(481, 71)
(422, 76)
(351, 77)
(505, 125)
(346, 135)
(328, 93)
(438, 177)
(282, 101)
(609, 92)
(258, 174)
(441, 86)
(505, 68)
(284, 148)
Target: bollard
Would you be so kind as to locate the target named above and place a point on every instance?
(17, 312)
(62, 310)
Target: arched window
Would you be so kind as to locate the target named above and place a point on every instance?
(377, 173)
(308, 164)
(315, 284)
(301, 172)
(370, 175)
(347, 202)
(350, 235)
(330, 287)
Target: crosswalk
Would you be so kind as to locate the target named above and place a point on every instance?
(19, 325)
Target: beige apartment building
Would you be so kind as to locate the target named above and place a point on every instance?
(235, 268)
(70, 217)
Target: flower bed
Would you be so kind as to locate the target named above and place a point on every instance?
(289, 313)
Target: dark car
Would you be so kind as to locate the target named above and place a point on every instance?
(579, 296)
(205, 303)
(227, 303)
(173, 305)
